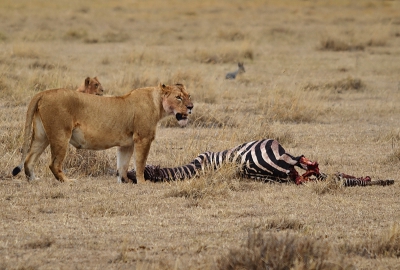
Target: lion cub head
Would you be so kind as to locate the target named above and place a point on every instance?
(177, 101)
(91, 86)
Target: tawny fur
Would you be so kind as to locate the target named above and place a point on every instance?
(62, 116)
(91, 86)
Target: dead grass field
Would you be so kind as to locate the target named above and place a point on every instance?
(322, 77)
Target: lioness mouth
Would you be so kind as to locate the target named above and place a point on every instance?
(180, 116)
(182, 119)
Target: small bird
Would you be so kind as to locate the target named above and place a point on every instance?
(232, 75)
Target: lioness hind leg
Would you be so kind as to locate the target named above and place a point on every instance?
(38, 145)
(58, 153)
(124, 155)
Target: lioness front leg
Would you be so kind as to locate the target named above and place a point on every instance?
(142, 148)
(124, 155)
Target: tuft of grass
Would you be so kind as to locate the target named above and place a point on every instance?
(76, 34)
(115, 36)
(231, 35)
(3, 85)
(209, 184)
(203, 119)
(280, 224)
(249, 131)
(105, 61)
(139, 82)
(44, 242)
(335, 44)
(10, 139)
(186, 78)
(284, 224)
(328, 186)
(387, 244)
(394, 157)
(222, 54)
(41, 65)
(3, 37)
(212, 120)
(88, 163)
(282, 251)
(128, 82)
(347, 84)
(290, 106)
(24, 51)
(54, 195)
(339, 86)
(377, 37)
(279, 30)
(143, 56)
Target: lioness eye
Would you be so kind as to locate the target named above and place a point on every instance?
(179, 98)
(96, 85)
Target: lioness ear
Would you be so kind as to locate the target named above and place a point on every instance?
(163, 88)
(87, 81)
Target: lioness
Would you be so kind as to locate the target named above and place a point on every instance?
(91, 86)
(62, 116)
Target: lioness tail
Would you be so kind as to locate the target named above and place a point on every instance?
(16, 170)
(32, 107)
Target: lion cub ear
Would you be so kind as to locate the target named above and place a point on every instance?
(87, 81)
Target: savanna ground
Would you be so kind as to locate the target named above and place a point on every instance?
(322, 77)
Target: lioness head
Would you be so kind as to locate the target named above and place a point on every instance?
(177, 101)
(91, 86)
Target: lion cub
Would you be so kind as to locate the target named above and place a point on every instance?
(91, 86)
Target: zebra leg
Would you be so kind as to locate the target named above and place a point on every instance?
(295, 177)
(352, 181)
(151, 172)
(132, 176)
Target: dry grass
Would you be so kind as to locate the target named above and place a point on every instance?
(213, 184)
(328, 186)
(283, 251)
(385, 245)
(320, 77)
(89, 163)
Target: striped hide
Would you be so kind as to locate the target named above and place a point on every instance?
(263, 159)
